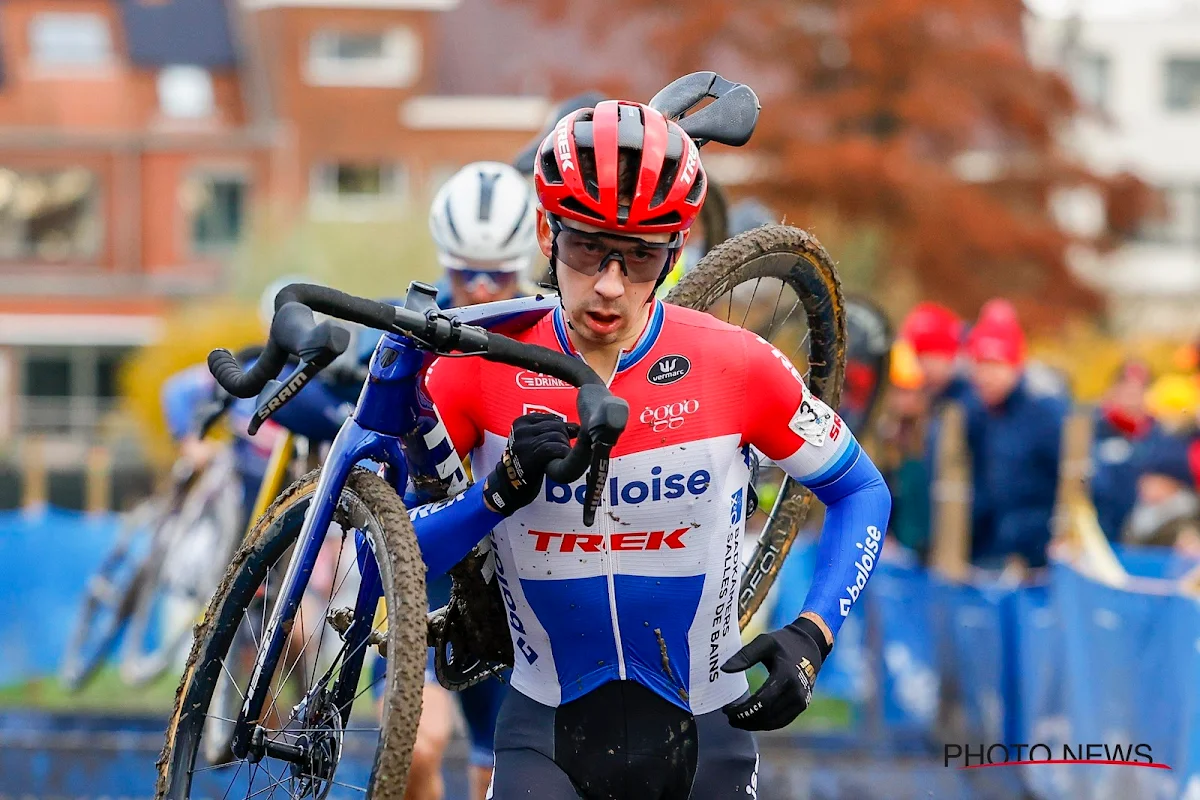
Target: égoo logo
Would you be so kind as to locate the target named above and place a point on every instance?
(668, 417)
(862, 567)
(668, 370)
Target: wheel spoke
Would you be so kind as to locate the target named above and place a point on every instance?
(750, 305)
(226, 765)
(334, 587)
(791, 311)
(235, 775)
(775, 310)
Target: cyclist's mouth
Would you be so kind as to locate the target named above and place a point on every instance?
(603, 322)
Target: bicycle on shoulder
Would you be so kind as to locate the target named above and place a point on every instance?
(334, 736)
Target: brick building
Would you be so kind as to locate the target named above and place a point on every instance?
(138, 136)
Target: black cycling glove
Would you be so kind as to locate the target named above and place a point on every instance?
(535, 441)
(793, 655)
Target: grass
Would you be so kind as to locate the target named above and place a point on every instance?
(824, 715)
(106, 693)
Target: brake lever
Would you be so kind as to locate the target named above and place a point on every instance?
(606, 426)
(597, 476)
(279, 392)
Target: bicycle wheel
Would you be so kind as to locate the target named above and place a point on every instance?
(714, 217)
(110, 596)
(368, 757)
(185, 566)
(743, 281)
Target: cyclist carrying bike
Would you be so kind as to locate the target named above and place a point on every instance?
(482, 221)
(629, 667)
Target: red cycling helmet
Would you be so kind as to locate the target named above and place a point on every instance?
(576, 172)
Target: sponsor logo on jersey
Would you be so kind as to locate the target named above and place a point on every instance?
(668, 370)
(536, 380)
(421, 512)
(520, 644)
(787, 362)
(668, 417)
(534, 408)
(594, 542)
(623, 492)
(727, 600)
(862, 567)
(735, 509)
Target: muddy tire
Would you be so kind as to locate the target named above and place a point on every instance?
(796, 261)
(370, 505)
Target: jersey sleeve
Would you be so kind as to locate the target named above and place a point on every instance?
(807, 439)
(787, 422)
(448, 529)
(453, 385)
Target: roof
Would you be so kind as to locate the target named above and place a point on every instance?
(194, 32)
(473, 60)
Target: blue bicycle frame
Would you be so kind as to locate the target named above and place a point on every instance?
(394, 424)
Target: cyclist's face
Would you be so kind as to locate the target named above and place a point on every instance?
(607, 306)
(470, 286)
(994, 381)
(939, 370)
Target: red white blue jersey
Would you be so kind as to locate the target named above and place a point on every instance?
(649, 593)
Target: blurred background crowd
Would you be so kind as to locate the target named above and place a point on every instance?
(1014, 185)
(1143, 462)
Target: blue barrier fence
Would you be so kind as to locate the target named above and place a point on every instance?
(1067, 662)
(46, 558)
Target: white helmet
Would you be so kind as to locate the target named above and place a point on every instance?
(484, 216)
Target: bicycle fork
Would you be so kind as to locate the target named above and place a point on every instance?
(352, 444)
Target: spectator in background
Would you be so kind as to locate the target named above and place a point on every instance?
(902, 457)
(1174, 401)
(935, 334)
(1122, 424)
(1167, 511)
(1016, 446)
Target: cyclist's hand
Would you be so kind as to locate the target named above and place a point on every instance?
(535, 441)
(197, 452)
(794, 658)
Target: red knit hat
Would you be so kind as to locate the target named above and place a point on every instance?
(932, 329)
(997, 336)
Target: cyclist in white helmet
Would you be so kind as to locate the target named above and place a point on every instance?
(482, 221)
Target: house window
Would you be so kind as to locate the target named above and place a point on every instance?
(1177, 220)
(1183, 84)
(357, 188)
(70, 40)
(1091, 75)
(216, 209)
(49, 215)
(353, 58)
(67, 390)
(185, 92)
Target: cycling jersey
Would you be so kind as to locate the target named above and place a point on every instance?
(649, 593)
(186, 392)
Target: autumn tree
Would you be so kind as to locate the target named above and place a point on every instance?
(922, 120)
